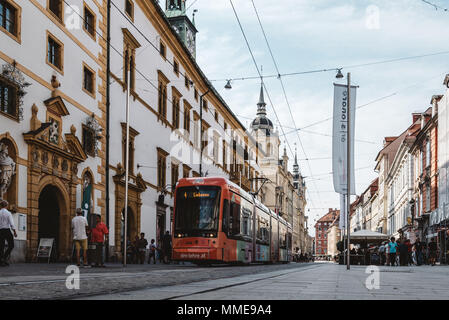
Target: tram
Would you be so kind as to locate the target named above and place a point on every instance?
(216, 221)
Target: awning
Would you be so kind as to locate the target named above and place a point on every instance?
(367, 236)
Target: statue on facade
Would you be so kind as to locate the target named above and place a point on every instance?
(7, 169)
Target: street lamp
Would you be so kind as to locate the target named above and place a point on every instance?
(228, 85)
(339, 74)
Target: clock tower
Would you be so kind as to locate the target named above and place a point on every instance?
(175, 11)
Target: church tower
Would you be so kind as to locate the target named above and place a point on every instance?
(262, 129)
(175, 10)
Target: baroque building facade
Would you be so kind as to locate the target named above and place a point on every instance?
(63, 114)
(52, 156)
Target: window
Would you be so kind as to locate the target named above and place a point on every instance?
(215, 147)
(427, 198)
(55, 7)
(162, 99)
(175, 111)
(162, 50)
(132, 134)
(196, 94)
(89, 21)
(187, 108)
(234, 219)
(224, 156)
(55, 53)
(88, 80)
(8, 98)
(187, 82)
(216, 115)
(161, 168)
(174, 175)
(428, 153)
(10, 18)
(130, 44)
(176, 67)
(185, 171)
(89, 141)
(195, 134)
(129, 8)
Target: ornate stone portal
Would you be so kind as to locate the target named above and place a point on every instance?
(7, 169)
(54, 160)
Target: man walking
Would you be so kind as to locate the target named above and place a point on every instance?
(432, 251)
(392, 247)
(79, 230)
(141, 247)
(99, 235)
(418, 250)
(152, 253)
(6, 225)
(166, 247)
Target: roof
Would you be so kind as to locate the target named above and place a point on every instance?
(330, 216)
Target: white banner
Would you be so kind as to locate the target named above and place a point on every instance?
(339, 134)
(342, 223)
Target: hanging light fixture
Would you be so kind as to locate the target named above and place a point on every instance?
(339, 74)
(228, 85)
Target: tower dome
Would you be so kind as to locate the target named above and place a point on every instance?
(261, 122)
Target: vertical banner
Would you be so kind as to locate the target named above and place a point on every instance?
(343, 209)
(85, 206)
(339, 137)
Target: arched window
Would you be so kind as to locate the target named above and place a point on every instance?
(269, 149)
(8, 171)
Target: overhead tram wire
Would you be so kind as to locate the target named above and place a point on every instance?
(435, 5)
(284, 92)
(264, 86)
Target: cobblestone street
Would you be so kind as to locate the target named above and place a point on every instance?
(42, 281)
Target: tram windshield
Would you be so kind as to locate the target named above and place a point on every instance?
(197, 209)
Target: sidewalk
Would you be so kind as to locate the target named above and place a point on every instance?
(317, 282)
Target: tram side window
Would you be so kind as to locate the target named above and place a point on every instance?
(234, 221)
(226, 214)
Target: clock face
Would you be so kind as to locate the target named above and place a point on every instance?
(190, 40)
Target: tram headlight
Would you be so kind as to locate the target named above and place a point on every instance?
(178, 235)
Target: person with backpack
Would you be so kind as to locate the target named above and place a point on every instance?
(152, 253)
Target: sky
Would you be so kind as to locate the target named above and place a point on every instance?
(321, 34)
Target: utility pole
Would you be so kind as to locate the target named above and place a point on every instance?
(125, 242)
(348, 171)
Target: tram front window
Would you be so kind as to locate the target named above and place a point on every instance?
(197, 210)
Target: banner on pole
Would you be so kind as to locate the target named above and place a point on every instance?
(339, 138)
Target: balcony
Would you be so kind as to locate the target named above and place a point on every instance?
(238, 178)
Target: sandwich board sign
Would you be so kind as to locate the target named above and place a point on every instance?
(45, 248)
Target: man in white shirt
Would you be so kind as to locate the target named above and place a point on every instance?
(6, 225)
(80, 229)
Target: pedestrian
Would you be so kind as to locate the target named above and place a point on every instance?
(403, 253)
(166, 247)
(409, 251)
(432, 251)
(141, 246)
(99, 235)
(6, 225)
(418, 251)
(152, 253)
(80, 229)
(382, 254)
(392, 248)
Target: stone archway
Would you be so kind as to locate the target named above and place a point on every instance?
(52, 207)
(51, 188)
